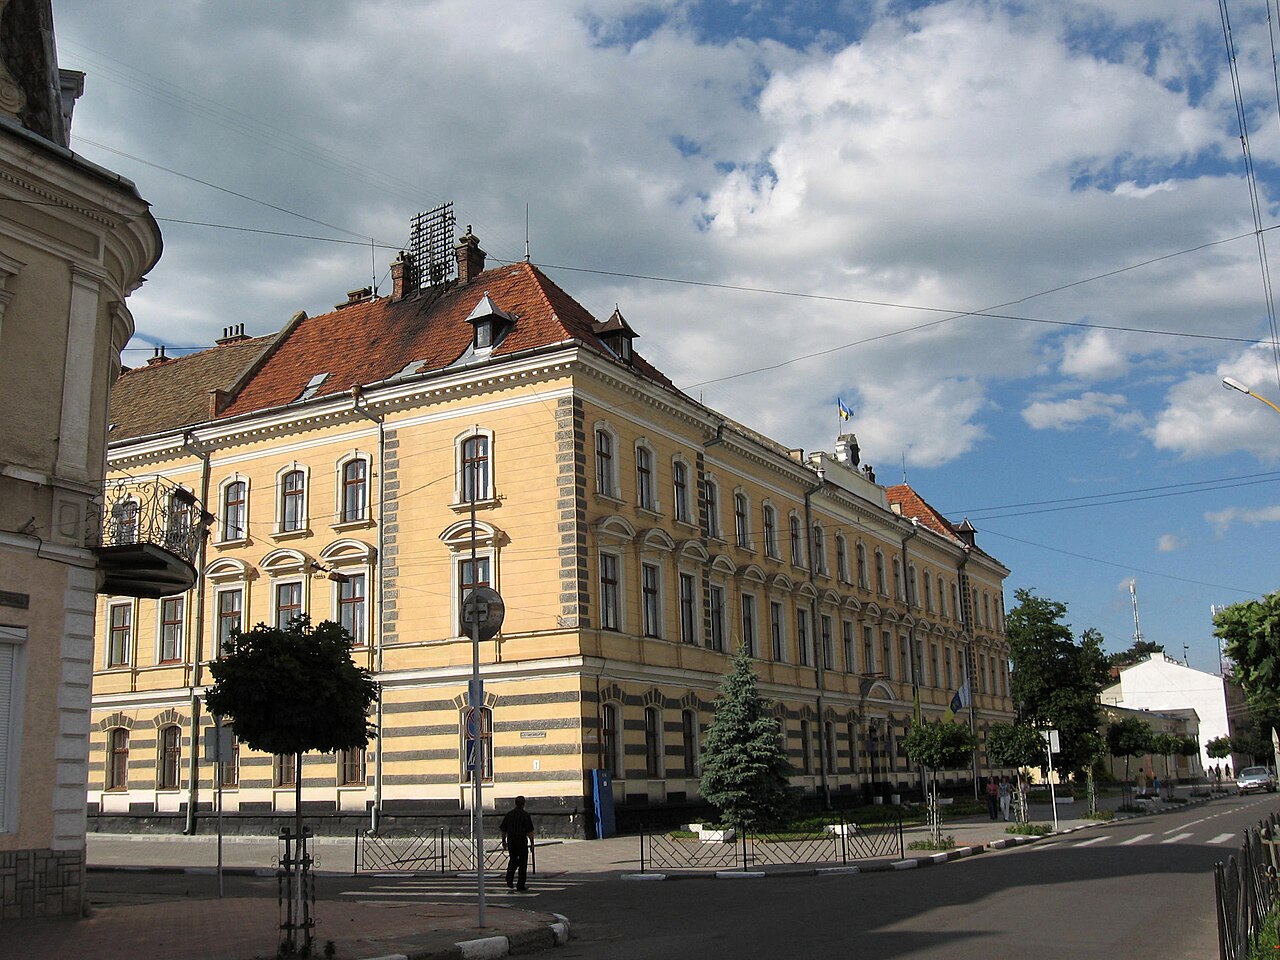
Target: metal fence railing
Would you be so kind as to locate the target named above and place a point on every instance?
(438, 851)
(1246, 889)
(841, 842)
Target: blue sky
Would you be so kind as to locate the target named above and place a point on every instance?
(888, 170)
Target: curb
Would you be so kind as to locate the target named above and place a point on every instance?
(526, 941)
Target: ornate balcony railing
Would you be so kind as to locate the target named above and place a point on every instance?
(147, 534)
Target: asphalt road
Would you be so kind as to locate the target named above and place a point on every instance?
(1134, 890)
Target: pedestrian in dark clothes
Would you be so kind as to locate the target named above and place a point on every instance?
(993, 797)
(517, 833)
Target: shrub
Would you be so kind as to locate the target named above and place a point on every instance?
(927, 843)
(1029, 829)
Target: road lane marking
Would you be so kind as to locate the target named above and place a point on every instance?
(1138, 838)
(1175, 839)
(1222, 838)
(1085, 843)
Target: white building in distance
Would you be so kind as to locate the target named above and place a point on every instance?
(1159, 683)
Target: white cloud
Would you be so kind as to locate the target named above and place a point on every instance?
(1203, 418)
(1222, 520)
(1094, 355)
(1170, 542)
(1074, 412)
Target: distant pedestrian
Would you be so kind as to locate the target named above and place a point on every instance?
(1006, 797)
(517, 833)
(993, 797)
(1155, 786)
(1022, 797)
(1226, 772)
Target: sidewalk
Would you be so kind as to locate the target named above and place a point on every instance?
(244, 928)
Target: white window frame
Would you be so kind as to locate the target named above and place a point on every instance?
(819, 549)
(304, 513)
(611, 740)
(486, 495)
(132, 641)
(681, 501)
(651, 620)
(650, 502)
(750, 624)
(795, 539)
(224, 531)
(612, 608)
(742, 519)
(711, 503)
(276, 586)
(693, 605)
(13, 663)
(718, 635)
(606, 471)
(778, 630)
(340, 518)
(769, 517)
(842, 558)
(182, 629)
(360, 637)
(217, 613)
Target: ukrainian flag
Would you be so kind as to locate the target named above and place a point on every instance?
(845, 412)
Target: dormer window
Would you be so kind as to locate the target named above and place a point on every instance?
(490, 324)
(616, 334)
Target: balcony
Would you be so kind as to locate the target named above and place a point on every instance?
(147, 536)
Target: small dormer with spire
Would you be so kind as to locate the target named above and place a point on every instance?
(616, 334)
(491, 324)
(967, 532)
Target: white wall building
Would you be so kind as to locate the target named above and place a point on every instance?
(1159, 683)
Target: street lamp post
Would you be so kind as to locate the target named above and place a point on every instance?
(1232, 384)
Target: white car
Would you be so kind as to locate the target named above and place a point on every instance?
(1255, 778)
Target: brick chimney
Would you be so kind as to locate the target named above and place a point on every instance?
(470, 257)
(159, 357)
(355, 296)
(402, 276)
(232, 334)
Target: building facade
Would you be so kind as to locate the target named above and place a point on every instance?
(75, 241)
(1160, 683)
(372, 464)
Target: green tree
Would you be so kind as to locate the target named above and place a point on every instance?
(745, 773)
(1139, 650)
(1056, 679)
(938, 746)
(1219, 748)
(1250, 632)
(1130, 737)
(1166, 745)
(288, 691)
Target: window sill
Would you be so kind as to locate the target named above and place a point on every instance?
(229, 544)
(291, 534)
(361, 524)
(651, 511)
(464, 506)
(616, 501)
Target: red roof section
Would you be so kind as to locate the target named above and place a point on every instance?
(366, 343)
(914, 505)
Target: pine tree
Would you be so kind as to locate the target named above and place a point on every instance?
(745, 773)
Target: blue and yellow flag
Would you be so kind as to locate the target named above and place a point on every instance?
(958, 702)
(845, 412)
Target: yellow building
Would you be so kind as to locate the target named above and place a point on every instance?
(75, 241)
(636, 536)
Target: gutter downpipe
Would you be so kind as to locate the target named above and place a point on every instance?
(357, 406)
(819, 650)
(193, 770)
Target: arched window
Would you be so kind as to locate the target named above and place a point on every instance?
(711, 498)
(118, 759)
(644, 479)
(842, 559)
(611, 738)
(474, 482)
(880, 584)
(928, 592)
(851, 731)
(897, 579)
(741, 525)
(235, 511)
(829, 732)
(797, 557)
(169, 760)
(689, 739)
(913, 593)
(606, 482)
(652, 742)
(942, 596)
(861, 552)
(806, 747)
(680, 490)
(292, 512)
(819, 549)
(353, 498)
(770, 531)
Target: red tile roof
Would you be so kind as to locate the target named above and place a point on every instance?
(914, 505)
(174, 394)
(366, 343)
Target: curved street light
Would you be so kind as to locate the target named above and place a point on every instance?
(1233, 384)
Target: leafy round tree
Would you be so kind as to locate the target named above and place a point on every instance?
(1219, 748)
(290, 690)
(745, 773)
(938, 746)
(1015, 745)
(1130, 737)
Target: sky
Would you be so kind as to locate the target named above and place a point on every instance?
(1020, 241)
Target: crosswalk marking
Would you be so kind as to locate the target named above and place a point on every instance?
(1138, 839)
(1091, 840)
(439, 888)
(1222, 838)
(1176, 838)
